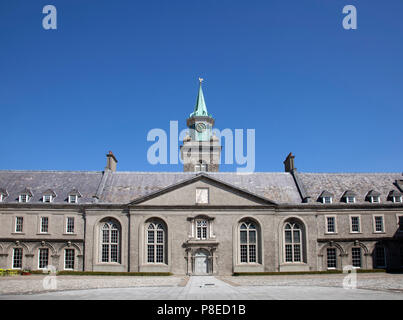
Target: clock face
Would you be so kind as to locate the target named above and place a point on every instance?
(200, 127)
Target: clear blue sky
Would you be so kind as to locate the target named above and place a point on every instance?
(115, 69)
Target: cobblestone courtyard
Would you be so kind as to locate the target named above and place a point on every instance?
(306, 287)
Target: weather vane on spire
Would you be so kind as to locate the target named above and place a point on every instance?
(201, 80)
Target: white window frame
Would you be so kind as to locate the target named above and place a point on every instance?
(327, 258)
(375, 197)
(335, 224)
(250, 227)
(294, 243)
(158, 232)
(27, 198)
(41, 224)
(46, 196)
(324, 200)
(16, 224)
(67, 225)
(350, 197)
(351, 223)
(1, 197)
(12, 260)
(75, 197)
(39, 258)
(397, 197)
(374, 222)
(202, 227)
(354, 267)
(74, 258)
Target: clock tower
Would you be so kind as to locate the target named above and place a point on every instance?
(201, 149)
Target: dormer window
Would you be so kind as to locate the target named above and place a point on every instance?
(25, 196)
(373, 196)
(395, 196)
(73, 196)
(326, 197)
(349, 196)
(3, 194)
(48, 196)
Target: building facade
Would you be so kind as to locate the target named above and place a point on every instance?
(200, 221)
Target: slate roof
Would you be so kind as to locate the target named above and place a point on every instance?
(39, 182)
(123, 187)
(359, 183)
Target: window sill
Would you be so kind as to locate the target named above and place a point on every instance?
(18, 233)
(355, 232)
(43, 234)
(330, 233)
(69, 234)
(379, 232)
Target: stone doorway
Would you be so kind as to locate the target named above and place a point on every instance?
(201, 262)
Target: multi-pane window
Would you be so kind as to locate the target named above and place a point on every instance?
(378, 220)
(379, 255)
(355, 224)
(155, 243)
(375, 199)
(327, 199)
(331, 224)
(70, 225)
(110, 242)
(248, 242)
(397, 199)
(350, 199)
(19, 221)
(201, 229)
(44, 225)
(73, 198)
(17, 258)
(202, 195)
(292, 242)
(356, 257)
(47, 198)
(24, 198)
(331, 258)
(43, 258)
(69, 259)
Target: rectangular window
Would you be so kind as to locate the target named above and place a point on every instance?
(331, 226)
(72, 198)
(24, 198)
(17, 258)
(19, 224)
(47, 198)
(397, 199)
(202, 196)
(378, 223)
(70, 225)
(356, 257)
(288, 253)
(150, 253)
(160, 254)
(355, 224)
(105, 253)
(69, 259)
(252, 253)
(244, 253)
(44, 224)
(350, 199)
(114, 253)
(327, 199)
(297, 253)
(244, 236)
(331, 258)
(43, 258)
(375, 199)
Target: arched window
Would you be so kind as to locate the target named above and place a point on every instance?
(155, 242)
(293, 242)
(110, 242)
(248, 242)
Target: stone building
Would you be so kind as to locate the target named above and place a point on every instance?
(200, 221)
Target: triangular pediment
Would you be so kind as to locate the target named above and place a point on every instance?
(218, 193)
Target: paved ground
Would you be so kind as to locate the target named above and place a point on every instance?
(210, 288)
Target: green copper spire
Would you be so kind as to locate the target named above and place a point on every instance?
(200, 108)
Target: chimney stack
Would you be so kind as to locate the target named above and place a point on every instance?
(111, 161)
(289, 163)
